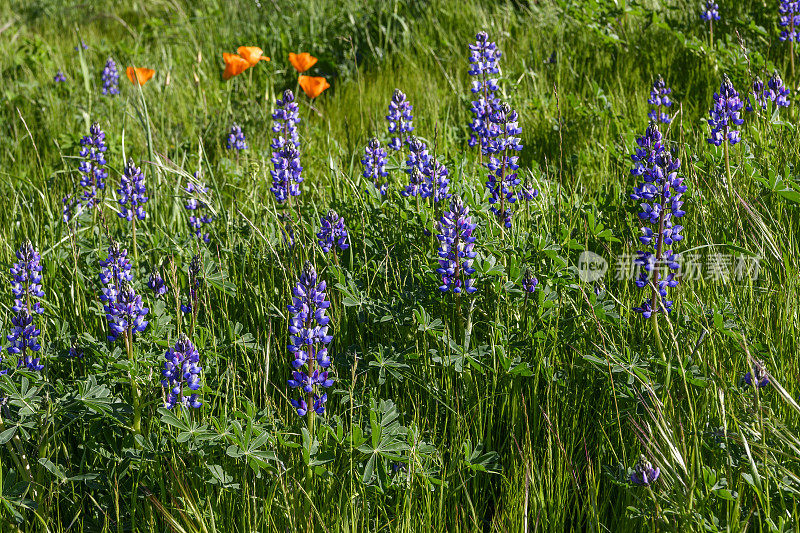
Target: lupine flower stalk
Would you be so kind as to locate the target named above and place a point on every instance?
(757, 376)
(659, 196)
(287, 172)
(110, 78)
(724, 116)
(182, 370)
(92, 168)
(308, 341)
(789, 20)
(400, 120)
(197, 207)
(26, 286)
(236, 140)
(457, 249)
(374, 162)
(333, 233)
(660, 100)
(132, 193)
(644, 473)
(773, 91)
(157, 284)
(125, 313)
(483, 59)
(428, 177)
(502, 163)
(710, 14)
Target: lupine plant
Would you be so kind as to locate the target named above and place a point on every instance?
(789, 20)
(110, 77)
(773, 91)
(659, 196)
(723, 118)
(644, 473)
(308, 343)
(197, 206)
(332, 233)
(710, 14)
(157, 284)
(661, 102)
(236, 139)
(132, 193)
(287, 172)
(456, 249)
(182, 370)
(374, 162)
(92, 168)
(484, 67)
(26, 286)
(400, 120)
(428, 177)
(502, 163)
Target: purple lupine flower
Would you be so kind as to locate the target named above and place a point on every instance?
(502, 164)
(400, 120)
(59, 77)
(760, 94)
(157, 284)
(644, 473)
(483, 58)
(197, 206)
(124, 310)
(71, 208)
(110, 77)
(659, 99)
(26, 286)
(182, 369)
(758, 375)
(132, 193)
(82, 45)
(527, 192)
(75, 350)
(374, 162)
(308, 340)
(428, 177)
(332, 233)
(236, 140)
(711, 12)
(195, 282)
(529, 282)
(92, 168)
(659, 195)
(725, 114)
(287, 172)
(789, 20)
(778, 91)
(126, 313)
(457, 248)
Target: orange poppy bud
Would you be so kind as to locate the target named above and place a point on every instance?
(302, 62)
(139, 75)
(313, 85)
(234, 65)
(252, 54)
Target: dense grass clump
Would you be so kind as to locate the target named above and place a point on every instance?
(241, 299)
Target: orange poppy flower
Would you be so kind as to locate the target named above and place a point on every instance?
(312, 85)
(302, 62)
(234, 65)
(141, 75)
(252, 54)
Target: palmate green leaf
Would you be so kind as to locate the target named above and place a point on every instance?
(171, 419)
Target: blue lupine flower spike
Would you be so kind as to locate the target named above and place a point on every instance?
(374, 162)
(333, 233)
(182, 371)
(26, 286)
(400, 120)
(110, 78)
(308, 341)
(457, 248)
(132, 193)
(644, 473)
(287, 171)
(92, 168)
(483, 58)
(236, 140)
(758, 375)
(659, 195)
(661, 102)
